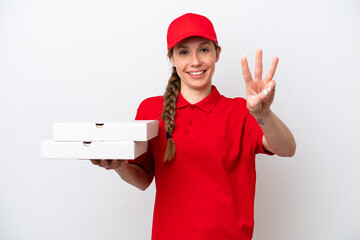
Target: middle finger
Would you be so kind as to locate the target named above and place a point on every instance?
(258, 64)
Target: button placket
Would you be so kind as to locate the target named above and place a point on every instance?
(190, 119)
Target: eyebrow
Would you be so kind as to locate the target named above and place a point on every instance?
(204, 43)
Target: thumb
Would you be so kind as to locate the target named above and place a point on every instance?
(269, 90)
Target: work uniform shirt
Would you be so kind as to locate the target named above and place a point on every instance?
(207, 192)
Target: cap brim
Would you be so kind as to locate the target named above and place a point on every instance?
(191, 34)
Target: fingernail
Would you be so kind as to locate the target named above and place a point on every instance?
(266, 92)
(269, 89)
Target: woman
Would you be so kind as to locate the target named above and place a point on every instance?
(203, 159)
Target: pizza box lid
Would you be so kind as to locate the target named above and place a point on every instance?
(137, 130)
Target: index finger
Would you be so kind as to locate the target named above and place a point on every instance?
(270, 74)
(95, 161)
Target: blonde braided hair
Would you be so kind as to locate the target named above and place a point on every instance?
(170, 97)
(168, 115)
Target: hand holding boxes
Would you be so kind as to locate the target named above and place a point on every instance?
(86, 140)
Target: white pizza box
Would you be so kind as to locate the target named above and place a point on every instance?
(93, 150)
(137, 130)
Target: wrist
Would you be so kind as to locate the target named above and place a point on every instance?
(262, 115)
(122, 166)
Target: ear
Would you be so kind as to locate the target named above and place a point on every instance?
(172, 61)
(218, 50)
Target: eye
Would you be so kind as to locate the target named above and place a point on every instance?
(204, 50)
(183, 52)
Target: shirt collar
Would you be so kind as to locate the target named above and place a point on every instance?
(206, 104)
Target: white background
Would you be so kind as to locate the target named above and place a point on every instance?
(79, 60)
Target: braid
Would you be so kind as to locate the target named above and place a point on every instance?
(169, 112)
(168, 115)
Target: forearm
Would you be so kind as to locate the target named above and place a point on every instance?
(135, 175)
(277, 135)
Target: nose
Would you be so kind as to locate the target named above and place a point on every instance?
(195, 60)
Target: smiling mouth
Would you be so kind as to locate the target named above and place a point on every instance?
(196, 73)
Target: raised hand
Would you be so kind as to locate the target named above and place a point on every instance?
(259, 92)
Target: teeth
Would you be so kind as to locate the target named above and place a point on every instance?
(196, 73)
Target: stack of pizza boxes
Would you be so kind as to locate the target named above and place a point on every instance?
(91, 140)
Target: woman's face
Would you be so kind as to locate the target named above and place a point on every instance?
(194, 59)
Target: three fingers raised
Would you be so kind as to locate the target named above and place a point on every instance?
(258, 68)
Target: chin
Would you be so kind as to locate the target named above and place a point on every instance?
(199, 86)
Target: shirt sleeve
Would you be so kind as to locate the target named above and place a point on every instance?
(146, 160)
(260, 147)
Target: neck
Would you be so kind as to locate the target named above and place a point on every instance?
(194, 95)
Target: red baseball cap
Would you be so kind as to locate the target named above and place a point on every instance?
(189, 25)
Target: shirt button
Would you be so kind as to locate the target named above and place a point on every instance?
(192, 107)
